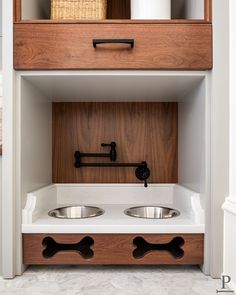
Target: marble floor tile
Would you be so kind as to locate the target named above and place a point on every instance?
(108, 280)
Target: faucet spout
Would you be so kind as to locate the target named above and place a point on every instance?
(142, 171)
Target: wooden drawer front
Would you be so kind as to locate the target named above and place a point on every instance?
(113, 249)
(69, 46)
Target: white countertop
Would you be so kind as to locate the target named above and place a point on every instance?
(39, 203)
(114, 221)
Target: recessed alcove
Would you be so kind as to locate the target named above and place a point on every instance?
(184, 155)
(162, 117)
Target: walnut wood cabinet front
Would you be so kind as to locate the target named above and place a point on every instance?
(113, 249)
(70, 46)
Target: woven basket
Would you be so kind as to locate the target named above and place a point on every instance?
(78, 9)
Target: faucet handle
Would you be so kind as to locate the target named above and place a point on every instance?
(112, 151)
(142, 172)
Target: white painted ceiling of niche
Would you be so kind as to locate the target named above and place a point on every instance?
(112, 87)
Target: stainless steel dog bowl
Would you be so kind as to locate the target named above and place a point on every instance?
(76, 212)
(151, 212)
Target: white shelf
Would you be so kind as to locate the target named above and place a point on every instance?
(114, 85)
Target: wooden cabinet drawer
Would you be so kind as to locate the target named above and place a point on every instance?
(70, 46)
(113, 249)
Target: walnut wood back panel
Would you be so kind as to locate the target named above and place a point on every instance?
(118, 9)
(142, 131)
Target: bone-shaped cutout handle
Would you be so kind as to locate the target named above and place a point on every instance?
(83, 247)
(173, 247)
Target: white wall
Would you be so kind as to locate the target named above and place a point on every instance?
(230, 203)
(232, 89)
(0, 215)
(230, 241)
(1, 34)
(219, 130)
(0, 156)
(34, 146)
(194, 152)
(34, 138)
(8, 159)
(191, 139)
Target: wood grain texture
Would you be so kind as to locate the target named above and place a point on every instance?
(118, 9)
(142, 131)
(208, 10)
(113, 249)
(17, 10)
(115, 21)
(69, 46)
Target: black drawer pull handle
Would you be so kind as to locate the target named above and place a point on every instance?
(113, 41)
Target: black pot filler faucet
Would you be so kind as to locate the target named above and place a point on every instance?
(142, 171)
